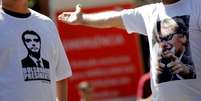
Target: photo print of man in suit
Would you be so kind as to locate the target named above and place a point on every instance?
(175, 62)
(34, 66)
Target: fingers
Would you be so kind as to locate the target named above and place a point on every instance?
(179, 68)
(67, 13)
(78, 8)
(170, 55)
(171, 64)
(71, 17)
(176, 69)
(64, 16)
(160, 68)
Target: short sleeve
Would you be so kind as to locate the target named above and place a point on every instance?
(133, 21)
(63, 68)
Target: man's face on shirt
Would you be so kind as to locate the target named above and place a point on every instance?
(172, 41)
(172, 37)
(166, 37)
(32, 42)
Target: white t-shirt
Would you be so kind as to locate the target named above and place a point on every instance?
(173, 29)
(24, 42)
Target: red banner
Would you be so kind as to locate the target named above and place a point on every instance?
(109, 59)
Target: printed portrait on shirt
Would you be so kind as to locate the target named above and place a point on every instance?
(34, 66)
(174, 61)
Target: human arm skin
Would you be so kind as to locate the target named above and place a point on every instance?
(62, 91)
(105, 19)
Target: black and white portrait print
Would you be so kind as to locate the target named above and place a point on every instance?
(174, 60)
(34, 66)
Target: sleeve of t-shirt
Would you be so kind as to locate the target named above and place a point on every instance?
(134, 20)
(63, 69)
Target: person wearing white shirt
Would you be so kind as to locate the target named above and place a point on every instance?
(144, 20)
(33, 62)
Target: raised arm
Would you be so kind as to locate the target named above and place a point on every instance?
(106, 19)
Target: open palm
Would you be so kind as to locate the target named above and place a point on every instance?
(73, 18)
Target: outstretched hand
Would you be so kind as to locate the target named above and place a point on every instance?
(73, 18)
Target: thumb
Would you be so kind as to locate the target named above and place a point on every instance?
(78, 8)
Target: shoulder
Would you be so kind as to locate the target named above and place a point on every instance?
(40, 16)
(26, 59)
(149, 6)
(145, 9)
(27, 62)
(43, 19)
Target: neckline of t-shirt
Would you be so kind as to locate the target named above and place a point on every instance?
(17, 18)
(16, 14)
(176, 4)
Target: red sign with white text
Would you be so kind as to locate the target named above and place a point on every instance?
(110, 59)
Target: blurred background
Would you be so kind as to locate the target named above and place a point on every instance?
(108, 64)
